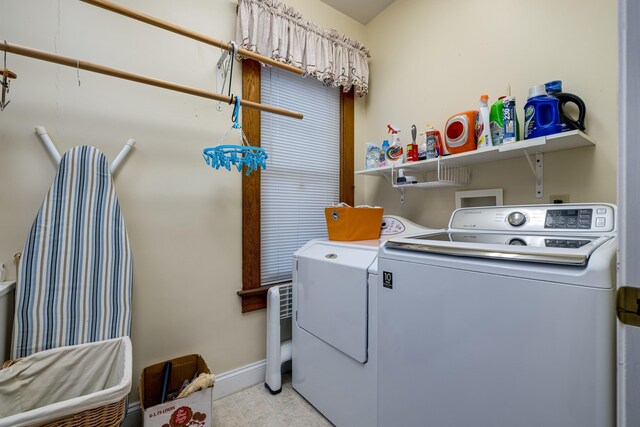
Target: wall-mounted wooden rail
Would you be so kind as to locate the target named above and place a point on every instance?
(134, 14)
(113, 72)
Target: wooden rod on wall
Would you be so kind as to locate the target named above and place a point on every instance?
(113, 72)
(131, 13)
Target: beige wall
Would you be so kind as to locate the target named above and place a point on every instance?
(432, 59)
(184, 219)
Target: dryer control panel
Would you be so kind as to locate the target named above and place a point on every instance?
(397, 226)
(577, 217)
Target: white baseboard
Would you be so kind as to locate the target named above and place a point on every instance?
(226, 383)
(238, 379)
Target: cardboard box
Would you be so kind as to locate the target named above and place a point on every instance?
(191, 411)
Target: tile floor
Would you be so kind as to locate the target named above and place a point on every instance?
(255, 406)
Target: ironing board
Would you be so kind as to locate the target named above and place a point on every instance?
(75, 274)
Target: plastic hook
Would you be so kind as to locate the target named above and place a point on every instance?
(235, 116)
(5, 82)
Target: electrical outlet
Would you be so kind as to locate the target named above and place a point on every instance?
(559, 198)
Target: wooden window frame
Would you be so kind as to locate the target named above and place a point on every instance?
(254, 296)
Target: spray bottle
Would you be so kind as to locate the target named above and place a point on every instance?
(483, 128)
(395, 153)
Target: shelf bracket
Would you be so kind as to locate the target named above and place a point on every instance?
(389, 177)
(538, 171)
(393, 180)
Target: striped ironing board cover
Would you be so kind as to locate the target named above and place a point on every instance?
(75, 274)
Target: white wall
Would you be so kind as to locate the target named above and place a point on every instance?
(183, 218)
(432, 59)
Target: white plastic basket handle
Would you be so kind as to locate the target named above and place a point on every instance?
(346, 205)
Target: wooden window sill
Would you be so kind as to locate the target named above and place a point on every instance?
(256, 291)
(256, 298)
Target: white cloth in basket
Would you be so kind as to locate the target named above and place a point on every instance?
(63, 381)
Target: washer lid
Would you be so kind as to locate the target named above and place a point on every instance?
(552, 249)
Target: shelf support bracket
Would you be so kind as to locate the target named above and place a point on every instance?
(537, 168)
(393, 180)
(389, 177)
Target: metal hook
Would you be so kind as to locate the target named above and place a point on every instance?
(224, 69)
(234, 51)
(78, 71)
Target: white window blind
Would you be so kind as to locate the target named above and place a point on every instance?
(303, 168)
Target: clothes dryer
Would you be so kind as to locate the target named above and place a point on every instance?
(334, 340)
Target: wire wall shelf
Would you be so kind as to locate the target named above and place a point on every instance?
(446, 174)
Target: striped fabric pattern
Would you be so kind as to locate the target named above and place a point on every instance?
(75, 274)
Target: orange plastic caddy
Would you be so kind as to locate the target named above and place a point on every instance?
(347, 223)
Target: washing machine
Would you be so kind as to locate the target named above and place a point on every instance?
(505, 319)
(334, 341)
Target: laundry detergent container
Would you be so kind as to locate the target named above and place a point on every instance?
(460, 133)
(78, 385)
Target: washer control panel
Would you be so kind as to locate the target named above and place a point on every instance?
(570, 219)
(537, 218)
(565, 243)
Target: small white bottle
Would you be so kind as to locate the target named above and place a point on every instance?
(483, 128)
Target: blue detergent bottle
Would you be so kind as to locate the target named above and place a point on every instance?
(541, 114)
(554, 89)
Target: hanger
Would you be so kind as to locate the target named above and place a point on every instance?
(226, 155)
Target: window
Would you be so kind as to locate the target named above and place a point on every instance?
(310, 166)
(303, 169)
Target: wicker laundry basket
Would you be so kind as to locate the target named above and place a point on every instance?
(103, 416)
(84, 385)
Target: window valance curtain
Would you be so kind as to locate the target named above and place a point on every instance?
(274, 29)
